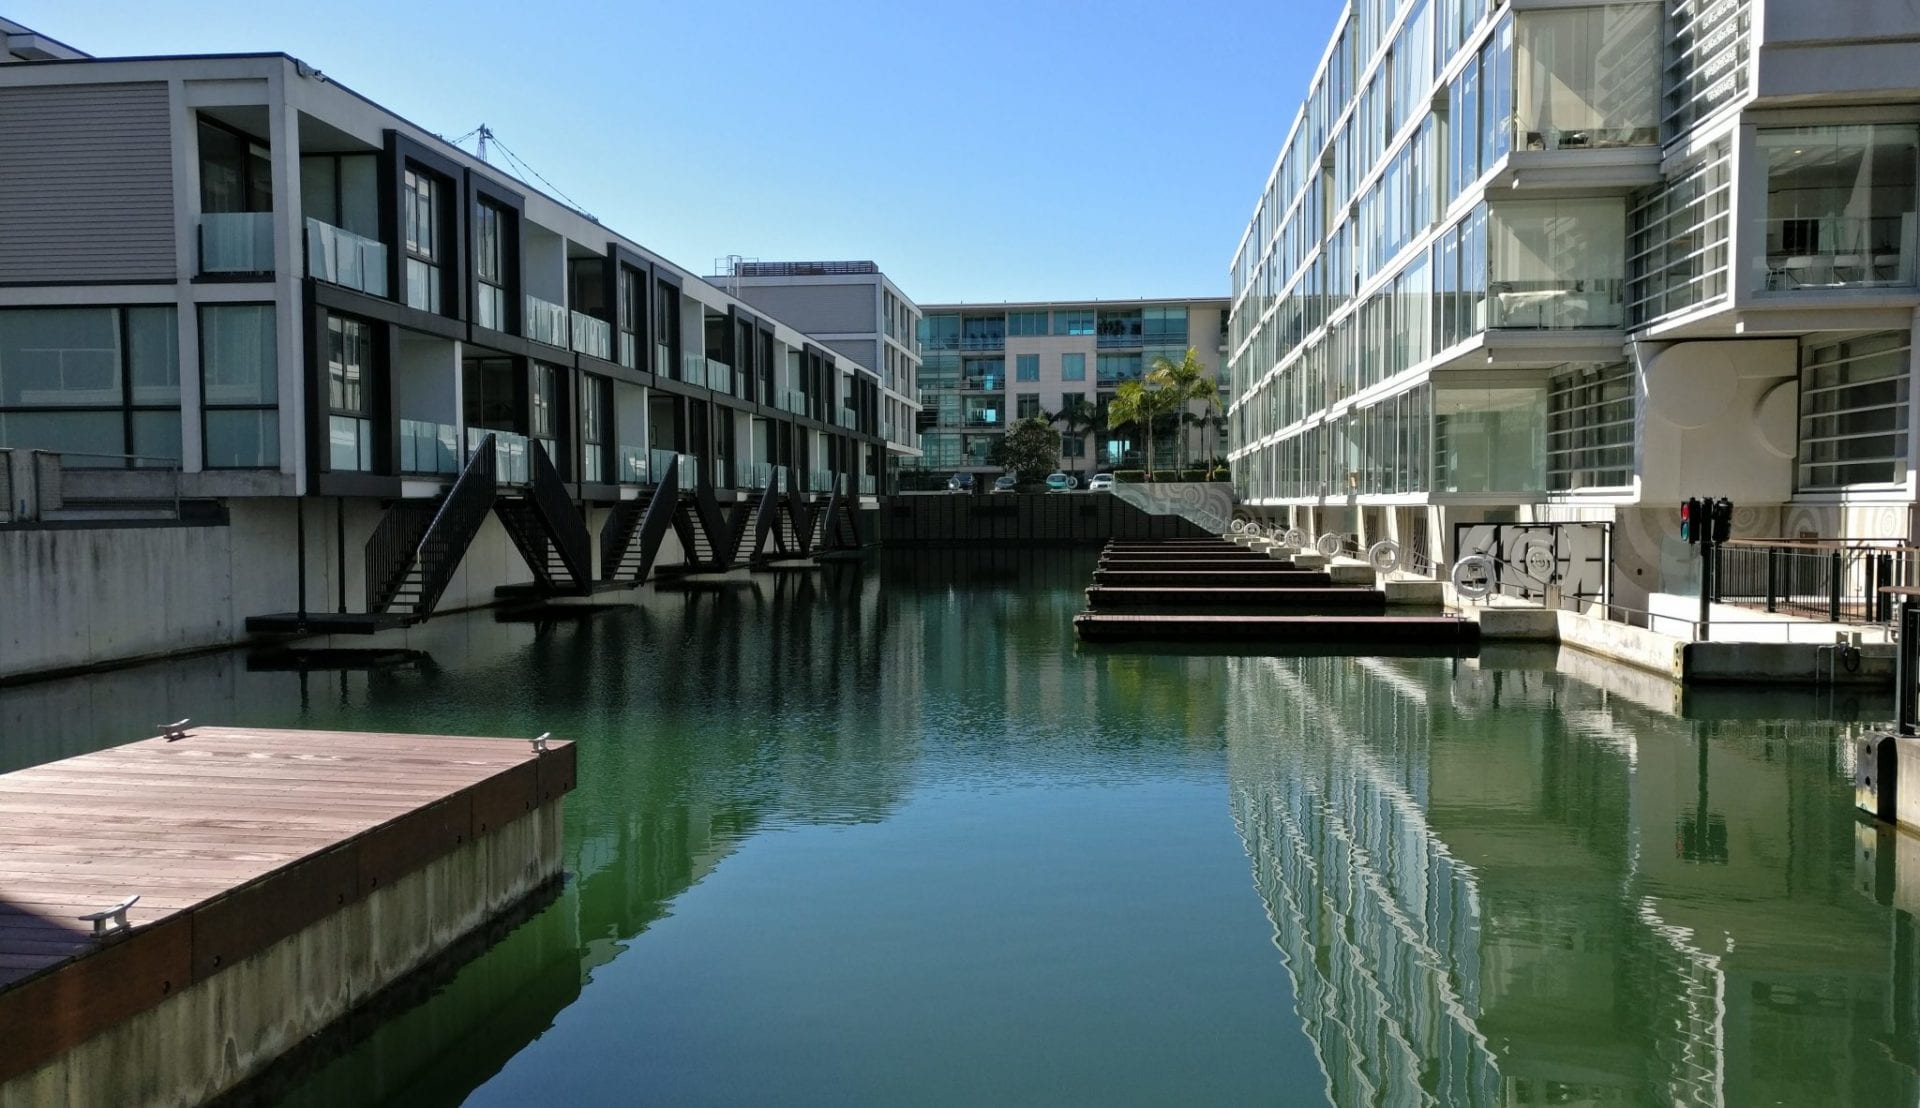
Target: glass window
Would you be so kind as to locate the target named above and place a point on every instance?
(1677, 241)
(490, 266)
(1112, 368)
(1556, 264)
(236, 172)
(1853, 411)
(543, 411)
(1590, 417)
(1585, 77)
(1026, 323)
(1076, 322)
(1463, 129)
(103, 381)
(1026, 367)
(239, 386)
(1073, 367)
(420, 215)
(1026, 405)
(1840, 205)
(1488, 440)
(593, 416)
(983, 332)
(349, 364)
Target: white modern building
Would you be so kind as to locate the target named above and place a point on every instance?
(232, 287)
(852, 308)
(1580, 261)
(986, 366)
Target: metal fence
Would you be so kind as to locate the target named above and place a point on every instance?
(1839, 581)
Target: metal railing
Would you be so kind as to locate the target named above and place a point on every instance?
(1824, 579)
(428, 447)
(236, 242)
(1120, 340)
(591, 335)
(340, 257)
(546, 321)
(510, 450)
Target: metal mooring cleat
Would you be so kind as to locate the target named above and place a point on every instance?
(114, 918)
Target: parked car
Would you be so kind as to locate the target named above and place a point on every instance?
(960, 482)
(1061, 482)
(1005, 482)
(1100, 482)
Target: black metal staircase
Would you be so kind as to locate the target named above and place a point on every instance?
(409, 564)
(548, 531)
(630, 539)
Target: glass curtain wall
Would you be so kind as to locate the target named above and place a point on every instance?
(1556, 264)
(1853, 411)
(101, 380)
(1590, 418)
(239, 386)
(1587, 77)
(1840, 205)
(1489, 439)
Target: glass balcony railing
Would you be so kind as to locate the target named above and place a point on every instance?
(759, 475)
(867, 484)
(1837, 251)
(428, 447)
(985, 382)
(509, 453)
(982, 342)
(546, 321)
(693, 369)
(592, 336)
(630, 465)
(850, 419)
(795, 401)
(820, 480)
(689, 471)
(341, 257)
(722, 475)
(662, 360)
(660, 463)
(236, 242)
(719, 376)
(1123, 340)
(986, 418)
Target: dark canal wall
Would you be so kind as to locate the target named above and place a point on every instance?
(1058, 519)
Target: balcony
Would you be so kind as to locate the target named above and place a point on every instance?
(429, 448)
(592, 336)
(1121, 340)
(719, 376)
(340, 257)
(236, 242)
(980, 342)
(662, 360)
(820, 480)
(795, 401)
(693, 369)
(758, 475)
(986, 418)
(546, 322)
(850, 419)
(986, 382)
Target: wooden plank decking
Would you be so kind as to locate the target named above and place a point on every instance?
(233, 838)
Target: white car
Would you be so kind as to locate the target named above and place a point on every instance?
(1100, 482)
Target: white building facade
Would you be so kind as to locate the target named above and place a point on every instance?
(1552, 261)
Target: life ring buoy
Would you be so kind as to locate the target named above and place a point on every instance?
(1473, 576)
(1296, 537)
(1329, 544)
(1384, 556)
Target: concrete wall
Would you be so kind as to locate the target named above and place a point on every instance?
(1718, 420)
(818, 308)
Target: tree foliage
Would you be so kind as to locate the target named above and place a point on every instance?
(1029, 450)
(1142, 404)
(1188, 380)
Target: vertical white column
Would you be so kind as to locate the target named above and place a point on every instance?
(290, 324)
(186, 232)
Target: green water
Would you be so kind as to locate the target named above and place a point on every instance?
(882, 834)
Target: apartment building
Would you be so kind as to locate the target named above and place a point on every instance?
(987, 366)
(1581, 261)
(853, 309)
(226, 281)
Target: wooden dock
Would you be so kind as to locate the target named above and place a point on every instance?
(233, 839)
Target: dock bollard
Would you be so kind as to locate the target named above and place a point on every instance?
(111, 919)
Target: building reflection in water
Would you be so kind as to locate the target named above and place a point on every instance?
(1509, 887)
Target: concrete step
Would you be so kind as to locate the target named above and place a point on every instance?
(1304, 630)
(1189, 599)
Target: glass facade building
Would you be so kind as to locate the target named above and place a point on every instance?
(1536, 260)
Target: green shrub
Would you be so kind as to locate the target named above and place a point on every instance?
(1193, 475)
(1130, 476)
(1166, 475)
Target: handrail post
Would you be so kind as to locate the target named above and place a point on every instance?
(1835, 568)
(1882, 603)
(1773, 578)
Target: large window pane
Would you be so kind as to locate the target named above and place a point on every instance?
(245, 439)
(88, 432)
(157, 435)
(237, 354)
(59, 357)
(1489, 439)
(1557, 264)
(1590, 414)
(1587, 77)
(153, 355)
(1840, 205)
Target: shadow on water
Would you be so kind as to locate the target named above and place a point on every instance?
(1522, 878)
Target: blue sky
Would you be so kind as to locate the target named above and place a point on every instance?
(989, 151)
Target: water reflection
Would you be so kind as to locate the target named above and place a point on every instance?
(1510, 887)
(898, 816)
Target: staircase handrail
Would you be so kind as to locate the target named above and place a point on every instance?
(466, 507)
(563, 520)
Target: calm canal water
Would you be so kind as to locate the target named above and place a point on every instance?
(883, 834)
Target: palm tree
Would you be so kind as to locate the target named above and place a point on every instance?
(1082, 418)
(1189, 380)
(1134, 402)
